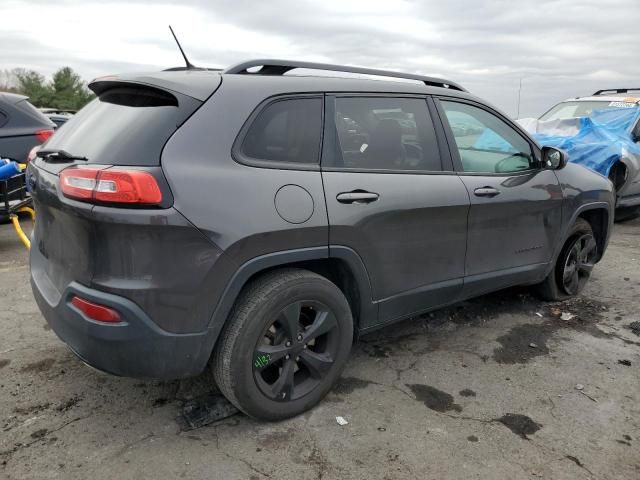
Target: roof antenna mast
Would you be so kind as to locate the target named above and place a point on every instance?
(189, 65)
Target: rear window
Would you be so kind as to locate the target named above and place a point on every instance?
(286, 131)
(126, 125)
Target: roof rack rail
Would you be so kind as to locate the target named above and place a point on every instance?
(280, 67)
(616, 90)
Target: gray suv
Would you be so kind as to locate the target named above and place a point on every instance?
(257, 222)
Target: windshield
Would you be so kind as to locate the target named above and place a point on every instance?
(575, 109)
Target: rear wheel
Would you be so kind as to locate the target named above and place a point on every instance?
(573, 266)
(286, 343)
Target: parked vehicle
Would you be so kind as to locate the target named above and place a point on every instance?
(258, 222)
(609, 143)
(21, 128)
(57, 115)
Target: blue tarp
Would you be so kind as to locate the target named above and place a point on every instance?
(596, 142)
(600, 140)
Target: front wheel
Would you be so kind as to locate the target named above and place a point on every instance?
(573, 266)
(285, 344)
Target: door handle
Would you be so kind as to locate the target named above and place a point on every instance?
(486, 192)
(357, 196)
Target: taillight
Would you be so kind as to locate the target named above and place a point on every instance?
(110, 186)
(95, 311)
(43, 135)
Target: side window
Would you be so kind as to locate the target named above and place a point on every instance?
(286, 131)
(485, 142)
(385, 133)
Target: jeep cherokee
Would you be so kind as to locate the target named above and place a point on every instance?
(255, 222)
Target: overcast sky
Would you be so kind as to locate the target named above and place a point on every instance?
(559, 48)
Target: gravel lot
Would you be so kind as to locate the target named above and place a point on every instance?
(486, 390)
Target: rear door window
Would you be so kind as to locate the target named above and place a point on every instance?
(385, 133)
(286, 131)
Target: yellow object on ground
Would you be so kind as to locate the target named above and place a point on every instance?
(16, 224)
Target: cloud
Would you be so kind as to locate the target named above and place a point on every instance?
(558, 48)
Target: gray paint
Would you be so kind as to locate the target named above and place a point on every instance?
(424, 242)
(294, 204)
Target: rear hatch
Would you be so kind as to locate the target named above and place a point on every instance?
(124, 129)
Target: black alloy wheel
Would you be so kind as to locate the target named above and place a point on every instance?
(296, 351)
(578, 264)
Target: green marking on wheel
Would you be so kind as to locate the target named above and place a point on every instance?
(261, 361)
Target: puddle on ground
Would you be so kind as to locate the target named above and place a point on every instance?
(524, 342)
(517, 344)
(347, 385)
(434, 399)
(467, 392)
(519, 424)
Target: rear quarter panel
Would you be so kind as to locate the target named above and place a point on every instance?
(232, 203)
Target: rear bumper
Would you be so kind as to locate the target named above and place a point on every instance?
(136, 347)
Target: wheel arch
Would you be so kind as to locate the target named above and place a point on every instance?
(599, 217)
(618, 174)
(341, 265)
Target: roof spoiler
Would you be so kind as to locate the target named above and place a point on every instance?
(280, 67)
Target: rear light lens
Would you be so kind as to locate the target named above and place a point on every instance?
(110, 186)
(95, 311)
(43, 135)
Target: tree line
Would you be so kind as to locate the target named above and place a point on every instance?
(65, 90)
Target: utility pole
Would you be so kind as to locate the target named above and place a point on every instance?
(519, 92)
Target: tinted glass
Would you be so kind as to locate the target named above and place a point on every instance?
(286, 131)
(3, 119)
(485, 142)
(385, 133)
(124, 126)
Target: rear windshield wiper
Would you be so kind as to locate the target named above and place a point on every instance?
(59, 156)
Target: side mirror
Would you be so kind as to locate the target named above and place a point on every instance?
(553, 159)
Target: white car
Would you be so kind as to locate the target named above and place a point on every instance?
(563, 120)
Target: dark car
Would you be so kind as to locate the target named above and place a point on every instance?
(236, 219)
(57, 115)
(22, 127)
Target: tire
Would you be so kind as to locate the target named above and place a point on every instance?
(253, 365)
(557, 286)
